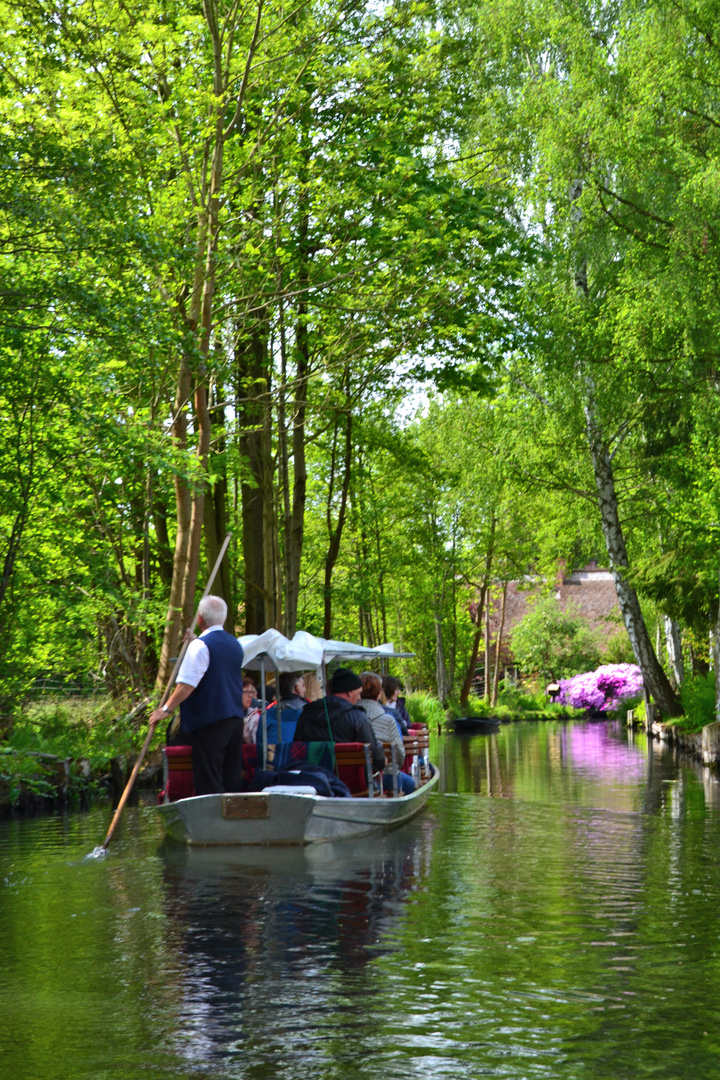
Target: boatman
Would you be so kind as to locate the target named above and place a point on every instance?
(209, 691)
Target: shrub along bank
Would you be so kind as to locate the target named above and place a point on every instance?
(67, 750)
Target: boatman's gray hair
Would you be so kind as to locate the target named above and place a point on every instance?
(213, 610)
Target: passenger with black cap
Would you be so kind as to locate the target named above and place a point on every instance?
(338, 717)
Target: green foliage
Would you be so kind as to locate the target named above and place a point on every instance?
(520, 699)
(22, 774)
(425, 709)
(697, 694)
(396, 246)
(77, 728)
(555, 642)
(618, 649)
(625, 705)
(514, 703)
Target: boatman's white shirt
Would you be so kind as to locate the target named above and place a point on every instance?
(196, 660)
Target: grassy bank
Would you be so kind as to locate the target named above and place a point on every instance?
(68, 748)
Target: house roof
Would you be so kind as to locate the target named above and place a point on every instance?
(589, 590)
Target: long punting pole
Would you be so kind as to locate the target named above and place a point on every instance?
(151, 728)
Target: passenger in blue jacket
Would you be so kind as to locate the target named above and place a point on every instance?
(209, 691)
(396, 704)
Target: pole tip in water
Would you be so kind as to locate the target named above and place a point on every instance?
(97, 853)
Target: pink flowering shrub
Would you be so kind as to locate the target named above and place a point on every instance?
(603, 689)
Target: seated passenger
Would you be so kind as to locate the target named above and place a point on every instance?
(386, 730)
(313, 689)
(251, 712)
(339, 718)
(292, 702)
(292, 690)
(270, 695)
(391, 688)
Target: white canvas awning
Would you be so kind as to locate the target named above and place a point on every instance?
(306, 652)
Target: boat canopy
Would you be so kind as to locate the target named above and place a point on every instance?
(306, 652)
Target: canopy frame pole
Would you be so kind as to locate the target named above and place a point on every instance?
(264, 708)
(278, 706)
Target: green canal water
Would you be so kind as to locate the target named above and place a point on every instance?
(555, 913)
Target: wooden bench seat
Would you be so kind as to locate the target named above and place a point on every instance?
(351, 761)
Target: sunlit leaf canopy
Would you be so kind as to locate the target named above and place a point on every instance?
(381, 288)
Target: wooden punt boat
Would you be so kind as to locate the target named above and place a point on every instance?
(280, 816)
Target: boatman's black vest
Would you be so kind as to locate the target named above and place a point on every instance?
(218, 695)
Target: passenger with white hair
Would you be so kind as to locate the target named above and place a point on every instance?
(209, 691)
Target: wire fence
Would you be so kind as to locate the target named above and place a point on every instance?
(65, 688)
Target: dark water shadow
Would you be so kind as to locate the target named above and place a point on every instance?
(264, 935)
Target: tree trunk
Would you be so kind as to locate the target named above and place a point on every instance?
(475, 651)
(13, 550)
(216, 523)
(440, 668)
(267, 491)
(190, 502)
(470, 673)
(674, 650)
(294, 537)
(202, 452)
(335, 534)
(295, 517)
(183, 511)
(498, 647)
(654, 677)
(164, 555)
(486, 681)
(407, 676)
(251, 405)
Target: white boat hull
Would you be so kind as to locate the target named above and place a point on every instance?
(274, 817)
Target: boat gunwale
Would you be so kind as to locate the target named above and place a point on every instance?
(384, 813)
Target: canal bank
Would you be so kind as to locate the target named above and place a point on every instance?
(703, 745)
(33, 782)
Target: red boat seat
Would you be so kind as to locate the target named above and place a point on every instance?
(354, 766)
(419, 731)
(178, 774)
(178, 778)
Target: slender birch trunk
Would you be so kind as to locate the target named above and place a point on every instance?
(498, 647)
(199, 322)
(674, 649)
(654, 677)
(440, 667)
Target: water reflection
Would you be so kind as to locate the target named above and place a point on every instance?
(583, 763)
(553, 915)
(270, 942)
